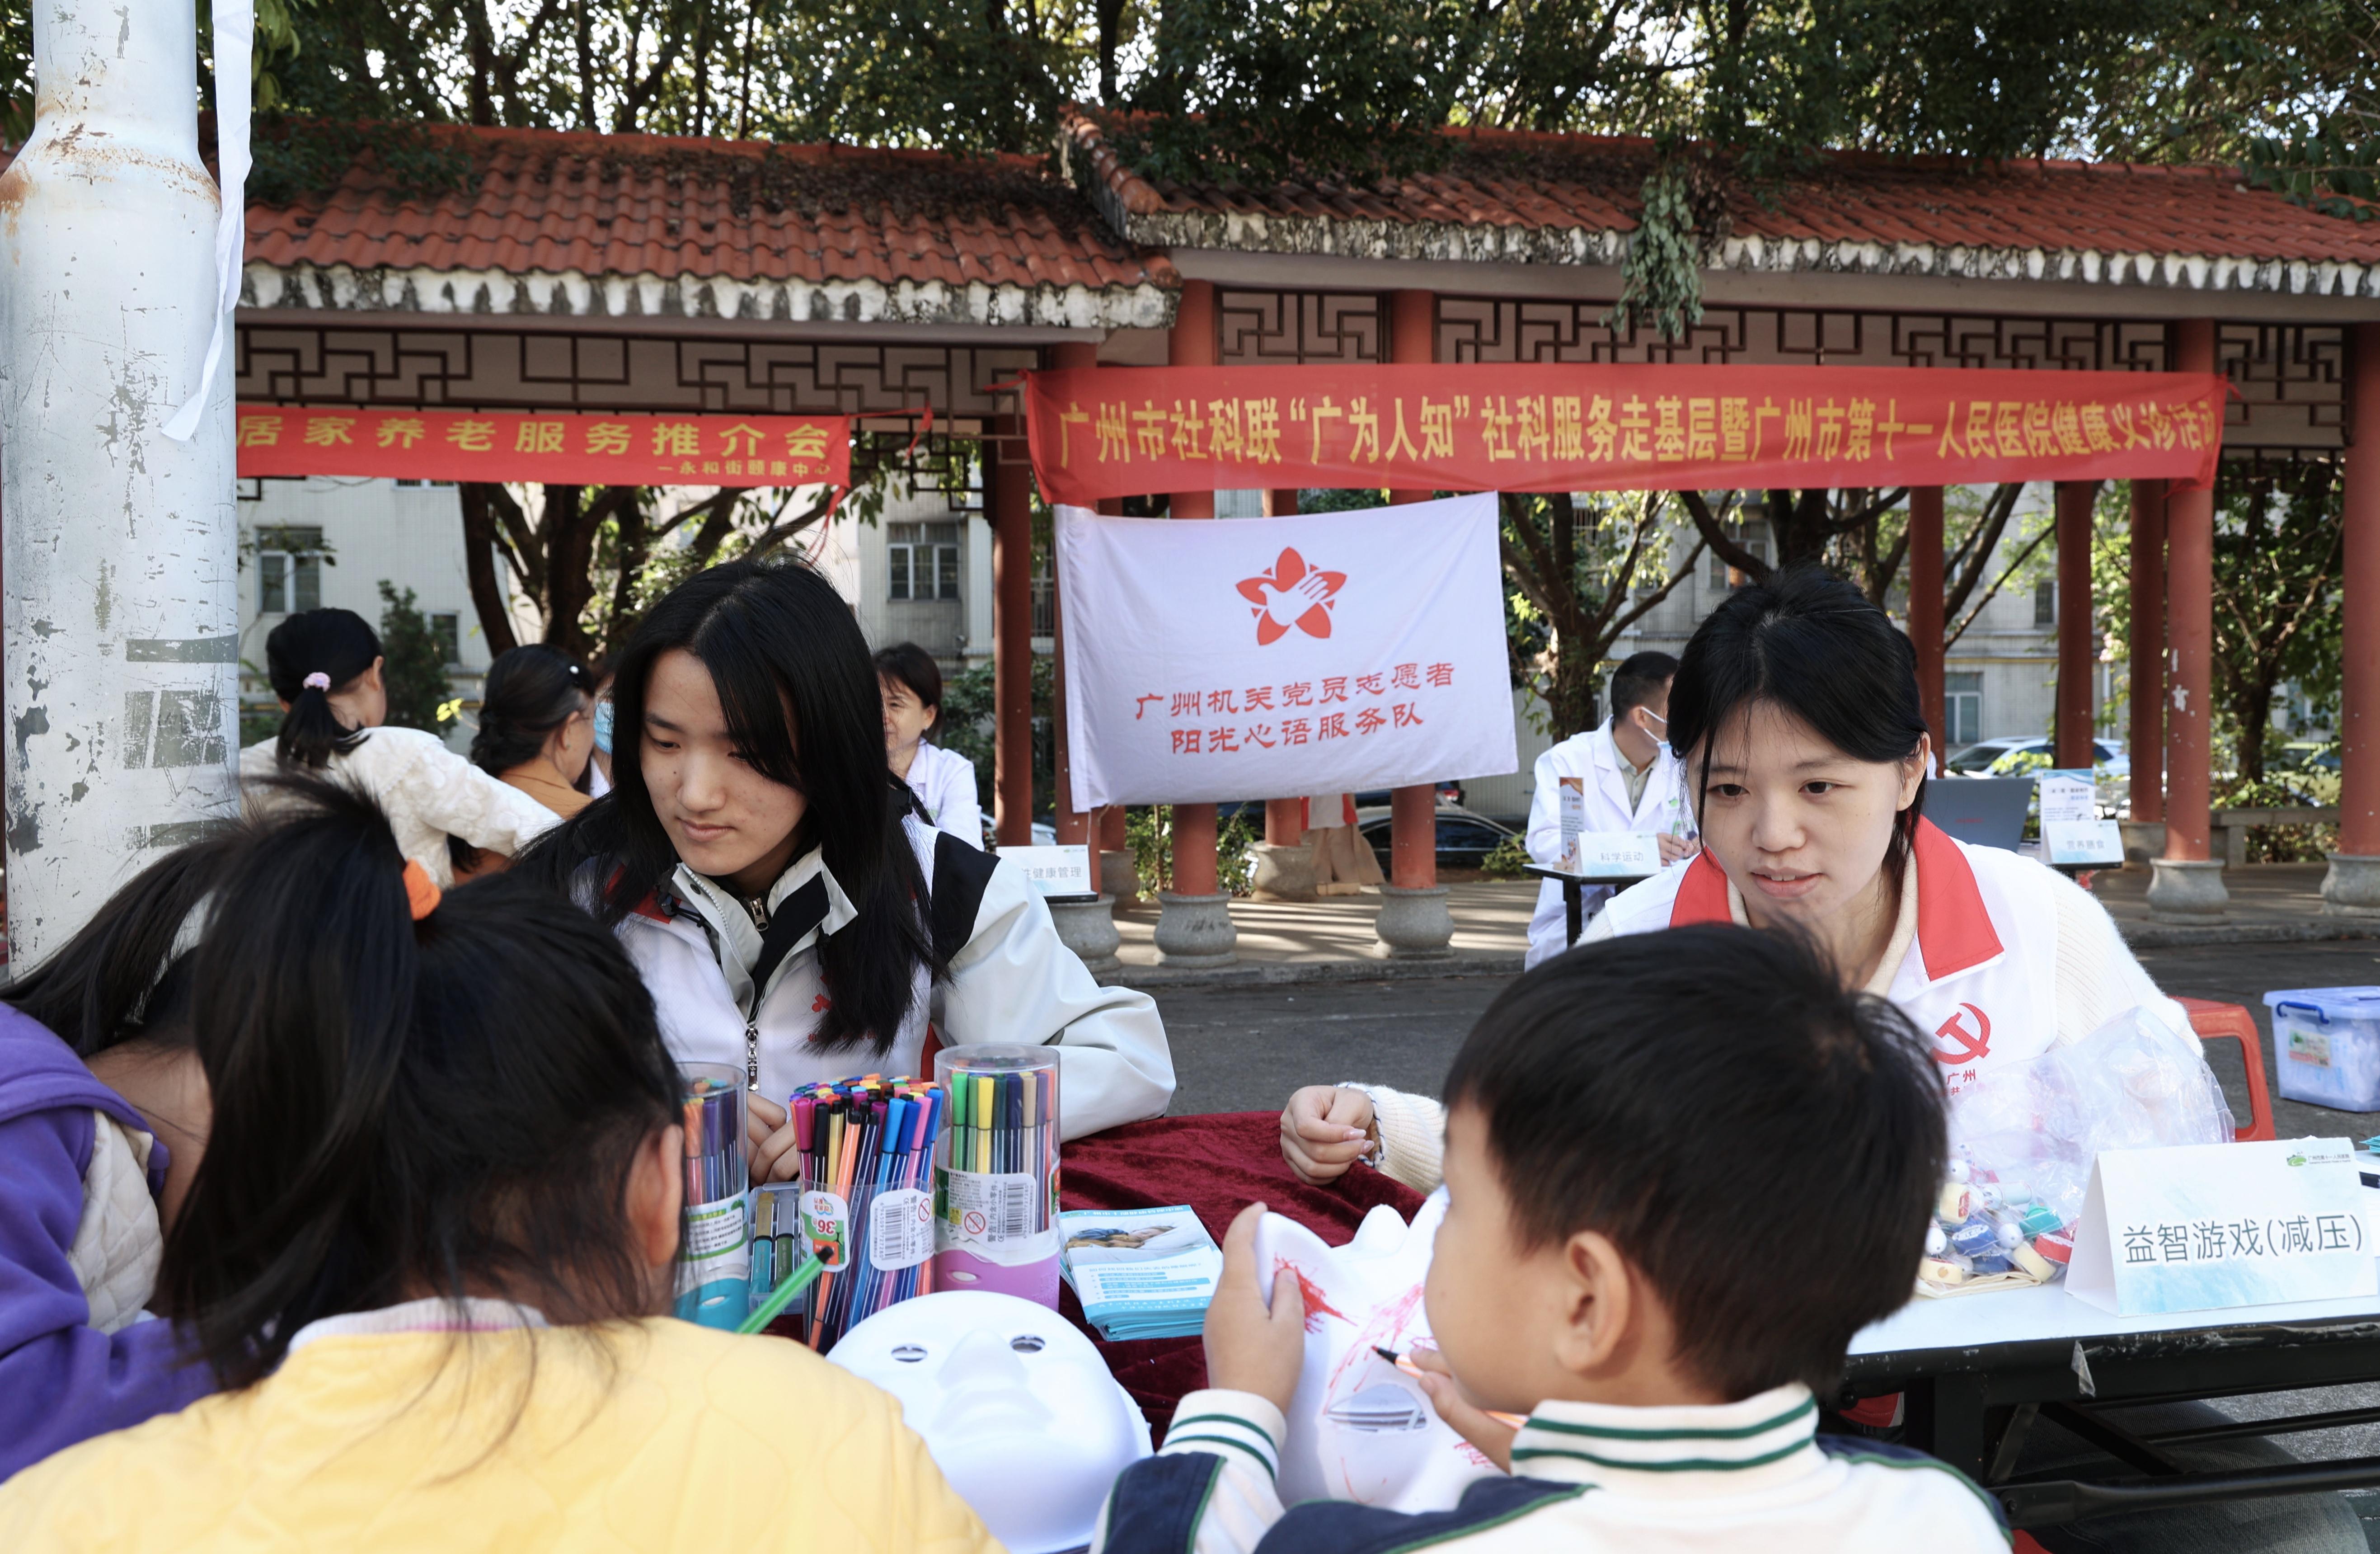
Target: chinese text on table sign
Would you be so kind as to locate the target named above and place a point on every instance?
(2223, 1240)
(571, 449)
(1123, 430)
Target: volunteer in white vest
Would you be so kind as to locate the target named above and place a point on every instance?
(791, 913)
(1796, 713)
(943, 780)
(1629, 781)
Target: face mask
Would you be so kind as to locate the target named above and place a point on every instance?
(603, 726)
(1017, 1409)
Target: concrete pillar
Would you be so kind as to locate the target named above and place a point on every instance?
(2188, 886)
(2352, 886)
(2146, 740)
(1194, 926)
(1926, 611)
(2077, 651)
(122, 563)
(1011, 496)
(1414, 923)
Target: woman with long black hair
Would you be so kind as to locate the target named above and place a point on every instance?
(789, 908)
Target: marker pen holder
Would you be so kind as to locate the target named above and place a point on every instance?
(996, 1172)
(715, 1253)
(867, 1208)
(778, 1248)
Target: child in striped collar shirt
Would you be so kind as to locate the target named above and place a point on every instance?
(1682, 1169)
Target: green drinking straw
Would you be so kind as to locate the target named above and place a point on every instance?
(783, 1296)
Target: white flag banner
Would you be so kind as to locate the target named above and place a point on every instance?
(1256, 658)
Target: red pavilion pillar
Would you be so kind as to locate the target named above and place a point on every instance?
(2188, 885)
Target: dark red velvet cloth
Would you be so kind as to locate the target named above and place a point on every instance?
(1217, 1164)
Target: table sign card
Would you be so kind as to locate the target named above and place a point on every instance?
(2066, 797)
(1054, 871)
(1572, 803)
(1618, 852)
(2083, 841)
(2209, 1225)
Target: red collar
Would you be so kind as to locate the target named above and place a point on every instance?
(1954, 931)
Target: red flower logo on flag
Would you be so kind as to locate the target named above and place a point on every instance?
(1291, 594)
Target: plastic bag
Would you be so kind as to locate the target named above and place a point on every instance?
(2023, 1136)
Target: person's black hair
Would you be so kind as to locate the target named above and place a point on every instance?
(333, 642)
(445, 1107)
(1811, 645)
(776, 639)
(125, 975)
(1638, 680)
(1762, 1145)
(915, 668)
(530, 690)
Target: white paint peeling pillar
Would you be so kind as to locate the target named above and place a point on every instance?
(121, 546)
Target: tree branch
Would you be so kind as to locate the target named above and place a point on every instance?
(2006, 573)
(1708, 525)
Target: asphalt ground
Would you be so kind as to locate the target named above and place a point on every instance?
(1244, 1048)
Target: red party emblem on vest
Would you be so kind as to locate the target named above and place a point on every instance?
(1960, 1042)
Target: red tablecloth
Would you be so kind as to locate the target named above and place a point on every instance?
(1217, 1164)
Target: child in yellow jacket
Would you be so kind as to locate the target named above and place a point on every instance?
(426, 1253)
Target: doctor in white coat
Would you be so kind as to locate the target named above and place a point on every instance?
(1632, 784)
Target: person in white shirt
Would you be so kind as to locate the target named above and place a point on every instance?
(1796, 714)
(790, 911)
(325, 666)
(1600, 1271)
(943, 780)
(1630, 782)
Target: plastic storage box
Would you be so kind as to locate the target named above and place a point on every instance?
(2327, 1046)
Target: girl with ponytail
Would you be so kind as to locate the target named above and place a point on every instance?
(536, 730)
(325, 666)
(792, 911)
(428, 1249)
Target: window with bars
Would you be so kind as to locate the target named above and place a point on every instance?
(2045, 602)
(925, 560)
(446, 631)
(1963, 696)
(288, 571)
(1754, 537)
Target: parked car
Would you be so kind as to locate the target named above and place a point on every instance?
(2006, 756)
(1464, 836)
(2310, 767)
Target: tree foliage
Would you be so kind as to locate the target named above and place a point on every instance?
(1582, 570)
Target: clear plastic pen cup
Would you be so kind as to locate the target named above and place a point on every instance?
(715, 1253)
(996, 1172)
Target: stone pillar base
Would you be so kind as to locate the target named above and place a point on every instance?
(1415, 924)
(2187, 890)
(1283, 874)
(1088, 929)
(1194, 930)
(1117, 877)
(2143, 839)
(2351, 888)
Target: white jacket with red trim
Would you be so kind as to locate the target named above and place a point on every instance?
(1995, 957)
(1011, 980)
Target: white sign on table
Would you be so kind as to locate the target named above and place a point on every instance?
(1054, 871)
(1618, 852)
(2205, 1227)
(2066, 797)
(1572, 800)
(2083, 841)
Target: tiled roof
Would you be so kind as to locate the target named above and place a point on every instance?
(582, 223)
(1526, 198)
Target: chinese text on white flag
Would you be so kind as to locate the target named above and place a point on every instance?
(1255, 658)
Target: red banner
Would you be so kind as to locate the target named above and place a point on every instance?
(1130, 431)
(562, 450)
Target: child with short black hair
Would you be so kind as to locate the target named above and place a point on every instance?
(1682, 1171)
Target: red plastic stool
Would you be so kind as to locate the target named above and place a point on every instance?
(2215, 1021)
